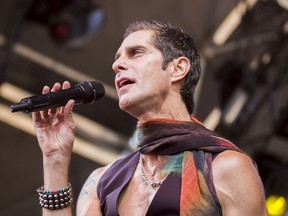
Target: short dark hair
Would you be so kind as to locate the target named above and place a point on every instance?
(173, 43)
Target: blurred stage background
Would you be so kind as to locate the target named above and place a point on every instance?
(243, 93)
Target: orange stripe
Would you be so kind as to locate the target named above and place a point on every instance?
(190, 193)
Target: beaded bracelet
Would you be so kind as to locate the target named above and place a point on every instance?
(54, 200)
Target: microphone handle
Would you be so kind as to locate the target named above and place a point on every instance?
(50, 100)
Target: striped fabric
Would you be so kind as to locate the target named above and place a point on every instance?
(196, 145)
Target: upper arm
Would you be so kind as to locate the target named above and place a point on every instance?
(88, 202)
(238, 185)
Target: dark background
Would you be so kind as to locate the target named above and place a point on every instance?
(36, 49)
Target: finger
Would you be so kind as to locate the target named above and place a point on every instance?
(65, 85)
(44, 113)
(36, 117)
(56, 87)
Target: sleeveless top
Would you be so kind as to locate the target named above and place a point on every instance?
(165, 202)
(188, 192)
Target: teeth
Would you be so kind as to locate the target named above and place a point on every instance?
(122, 83)
(125, 82)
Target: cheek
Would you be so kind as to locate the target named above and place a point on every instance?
(153, 70)
(149, 71)
(156, 85)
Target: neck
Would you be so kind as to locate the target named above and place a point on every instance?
(179, 113)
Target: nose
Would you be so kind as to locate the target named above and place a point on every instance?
(119, 65)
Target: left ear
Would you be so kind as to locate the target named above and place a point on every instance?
(181, 67)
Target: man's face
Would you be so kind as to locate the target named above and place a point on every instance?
(141, 84)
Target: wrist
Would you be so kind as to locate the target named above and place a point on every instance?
(56, 159)
(58, 152)
(56, 171)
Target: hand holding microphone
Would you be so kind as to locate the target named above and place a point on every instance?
(55, 128)
(85, 92)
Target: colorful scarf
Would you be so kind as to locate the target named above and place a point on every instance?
(166, 137)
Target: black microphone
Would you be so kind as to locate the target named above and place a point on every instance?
(85, 92)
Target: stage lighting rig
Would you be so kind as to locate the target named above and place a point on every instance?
(69, 22)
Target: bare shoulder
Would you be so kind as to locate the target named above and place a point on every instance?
(231, 163)
(238, 185)
(88, 201)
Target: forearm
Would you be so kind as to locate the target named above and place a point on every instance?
(55, 133)
(56, 171)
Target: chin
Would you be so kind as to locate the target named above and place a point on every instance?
(128, 108)
(124, 105)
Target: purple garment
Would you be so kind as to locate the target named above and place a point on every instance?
(165, 202)
(168, 138)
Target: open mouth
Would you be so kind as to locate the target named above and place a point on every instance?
(124, 82)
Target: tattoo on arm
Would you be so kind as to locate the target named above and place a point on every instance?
(88, 182)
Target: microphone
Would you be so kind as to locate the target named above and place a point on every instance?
(85, 92)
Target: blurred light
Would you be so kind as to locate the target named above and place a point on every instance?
(235, 105)
(61, 31)
(2, 40)
(276, 205)
(213, 119)
(232, 21)
(266, 58)
(283, 3)
(285, 27)
(79, 35)
(70, 23)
